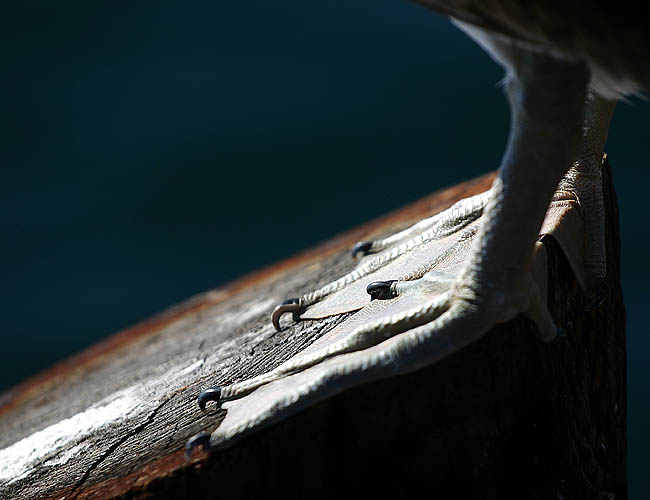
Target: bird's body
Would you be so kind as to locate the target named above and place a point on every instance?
(613, 38)
(452, 277)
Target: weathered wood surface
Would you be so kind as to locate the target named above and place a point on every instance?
(505, 417)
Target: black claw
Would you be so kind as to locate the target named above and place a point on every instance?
(291, 305)
(209, 394)
(598, 294)
(363, 247)
(381, 290)
(202, 439)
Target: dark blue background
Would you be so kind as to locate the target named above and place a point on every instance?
(152, 150)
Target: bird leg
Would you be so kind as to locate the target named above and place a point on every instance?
(487, 265)
(585, 249)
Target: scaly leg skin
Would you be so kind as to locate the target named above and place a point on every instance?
(473, 266)
(583, 181)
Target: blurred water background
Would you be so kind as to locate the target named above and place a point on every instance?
(153, 150)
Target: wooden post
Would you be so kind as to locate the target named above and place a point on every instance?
(507, 417)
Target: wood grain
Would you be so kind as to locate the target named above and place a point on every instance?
(507, 416)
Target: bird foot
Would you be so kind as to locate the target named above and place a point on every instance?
(431, 243)
(417, 300)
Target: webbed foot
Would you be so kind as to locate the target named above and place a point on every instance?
(435, 304)
(443, 283)
(402, 324)
(405, 255)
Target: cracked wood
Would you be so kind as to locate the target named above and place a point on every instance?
(504, 414)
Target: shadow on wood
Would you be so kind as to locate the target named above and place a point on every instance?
(507, 417)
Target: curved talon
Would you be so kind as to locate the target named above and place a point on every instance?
(381, 290)
(202, 439)
(598, 294)
(363, 247)
(291, 305)
(209, 394)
